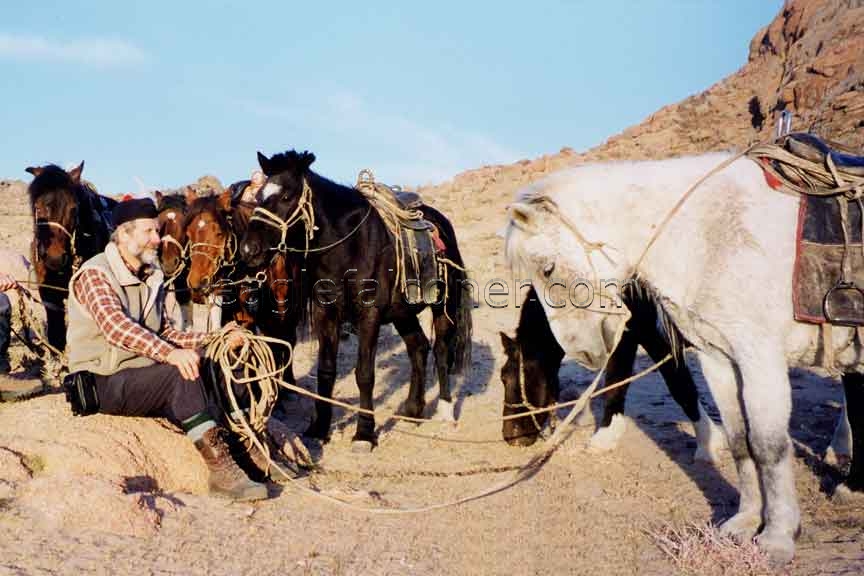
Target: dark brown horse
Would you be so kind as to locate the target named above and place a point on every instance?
(71, 224)
(530, 374)
(350, 262)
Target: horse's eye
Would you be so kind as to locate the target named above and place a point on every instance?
(548, 269)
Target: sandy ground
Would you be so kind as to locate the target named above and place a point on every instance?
(123, 496)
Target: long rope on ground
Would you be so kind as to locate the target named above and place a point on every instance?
(259, 366)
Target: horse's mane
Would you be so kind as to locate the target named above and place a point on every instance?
(52, 177)
(207, 204)
(172, 199)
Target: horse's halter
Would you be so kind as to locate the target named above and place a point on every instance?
(305, 213)
(169, 239)
(76, 258)
(589, 247)
(527, 404)
(302, 213)
(225, 255)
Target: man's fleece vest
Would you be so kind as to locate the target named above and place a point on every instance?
(86, 346)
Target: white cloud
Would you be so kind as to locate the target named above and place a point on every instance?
(398, 149)
(100, 52)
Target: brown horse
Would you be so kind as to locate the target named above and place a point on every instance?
(71, 224)
(270, 302)
(172, 252)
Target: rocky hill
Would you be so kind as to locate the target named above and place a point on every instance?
(809, 61)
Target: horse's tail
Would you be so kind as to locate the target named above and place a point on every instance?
(464, 331)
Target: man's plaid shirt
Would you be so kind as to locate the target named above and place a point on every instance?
(94, 292)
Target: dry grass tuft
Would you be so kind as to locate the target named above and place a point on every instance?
(699, 549)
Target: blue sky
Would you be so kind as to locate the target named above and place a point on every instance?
(155, 94)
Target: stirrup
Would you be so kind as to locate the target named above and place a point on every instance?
(843, 305)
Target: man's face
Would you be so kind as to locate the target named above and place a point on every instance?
(141, 240)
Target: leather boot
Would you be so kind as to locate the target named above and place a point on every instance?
(226, 478)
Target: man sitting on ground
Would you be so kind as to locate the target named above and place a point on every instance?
(142, 366)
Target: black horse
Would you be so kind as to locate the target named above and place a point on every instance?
(348, 258)
(530, 374)
(71, 224)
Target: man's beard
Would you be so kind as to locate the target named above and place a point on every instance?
(149, 256)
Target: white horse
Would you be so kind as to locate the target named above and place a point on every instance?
(721, 276)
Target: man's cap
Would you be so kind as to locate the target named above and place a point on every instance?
(133, 209)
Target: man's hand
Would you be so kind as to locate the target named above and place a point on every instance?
(235, 338)
(186, 361)
(7, 282)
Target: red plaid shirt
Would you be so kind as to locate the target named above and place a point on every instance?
(94, 292)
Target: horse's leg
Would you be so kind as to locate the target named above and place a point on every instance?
(418, 350)
(445, 350)
(768, 405)
(723, 382)
(368, 328)
(679, 380)
(619, 367)
(55, 317)
(839, 453)
(853, 385)
(328, 349)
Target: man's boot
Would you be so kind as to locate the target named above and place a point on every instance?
(226, 478)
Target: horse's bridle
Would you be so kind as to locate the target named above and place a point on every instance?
(527, 404)
(589, 247)
(302, 213)
(225, 257)
(169, 239)
(76, 258)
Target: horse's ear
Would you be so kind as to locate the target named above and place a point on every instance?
(75, 173)
(34, 170)
(508, 343)
(264, 163)
(225, 200)
(306, 160)
(523, 216)
(158, 195)
(190, 194)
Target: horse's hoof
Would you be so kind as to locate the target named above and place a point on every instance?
(362, 446)
(445, 411)
(845, 496)
(741, 527)
(412, 409)
(606, 439)
(780, 547)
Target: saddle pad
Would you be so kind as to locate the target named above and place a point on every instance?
(819, 256)
(420, 264)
